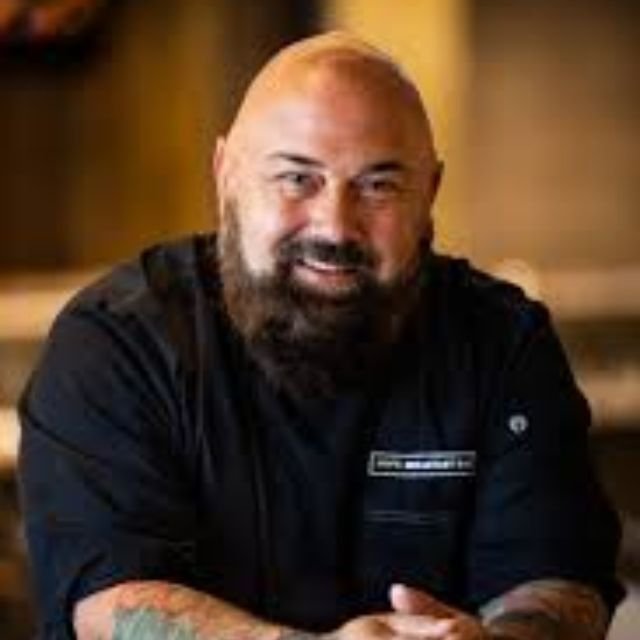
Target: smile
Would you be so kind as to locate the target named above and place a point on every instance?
(330, 278)
(325, 267)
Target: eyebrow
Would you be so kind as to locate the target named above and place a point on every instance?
(387, 166)
(295, 158)
(384, 166)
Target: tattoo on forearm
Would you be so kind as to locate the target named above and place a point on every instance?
(161, 611)
(147, 624)
(292, 634)
(525, 625)
(547, 610)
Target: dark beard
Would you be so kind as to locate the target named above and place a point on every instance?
(308, 344)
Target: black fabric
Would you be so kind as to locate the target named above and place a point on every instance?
(152, 447)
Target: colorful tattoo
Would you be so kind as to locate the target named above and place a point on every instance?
(547, 610)
(147, 624)
(291, 634)
(162, 611)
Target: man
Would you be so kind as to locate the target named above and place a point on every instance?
(313, 425)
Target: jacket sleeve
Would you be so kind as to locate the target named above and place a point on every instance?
(540, 511)
(103, 499)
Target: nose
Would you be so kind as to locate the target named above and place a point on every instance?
(334, 216)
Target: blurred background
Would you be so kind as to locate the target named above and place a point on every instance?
(107, 115)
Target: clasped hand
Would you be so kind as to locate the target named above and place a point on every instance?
(415, 615)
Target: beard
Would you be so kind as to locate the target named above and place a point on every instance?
(308, 343)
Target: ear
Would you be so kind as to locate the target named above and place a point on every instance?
(436, 180)
(434, 187)
(428, 230)
(217, 159)
(218, 173)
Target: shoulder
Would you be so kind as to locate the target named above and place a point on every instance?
(150, 297)
(482, 305)
(118, 339)
(138, 286)
(137, 317)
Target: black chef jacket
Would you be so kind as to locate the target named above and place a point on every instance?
(153, 448)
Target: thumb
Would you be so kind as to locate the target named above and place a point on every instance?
(413, 601)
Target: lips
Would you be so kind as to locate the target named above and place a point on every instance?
(325, 267)
(325, 276)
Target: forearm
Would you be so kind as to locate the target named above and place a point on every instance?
(152, 610)
(547, 610)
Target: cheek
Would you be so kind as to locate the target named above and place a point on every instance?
(264, 222)
(396, 240)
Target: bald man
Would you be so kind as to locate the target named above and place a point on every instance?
(313, 424)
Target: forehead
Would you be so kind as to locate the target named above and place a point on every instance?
(354, 111)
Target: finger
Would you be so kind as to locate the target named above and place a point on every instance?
(419, 626)
(402, 600)
(465, 628)
(413, 601)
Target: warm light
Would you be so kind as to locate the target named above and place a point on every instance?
(9, 436)
(429, 38)
(28, 307)
(521, 273)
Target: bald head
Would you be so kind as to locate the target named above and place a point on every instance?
(338, 69)
(325, 183)
(331, 144)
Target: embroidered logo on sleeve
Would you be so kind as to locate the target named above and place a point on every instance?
(422, 464)
(518, 423)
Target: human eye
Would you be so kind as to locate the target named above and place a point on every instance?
(296, 183)
(380, 187)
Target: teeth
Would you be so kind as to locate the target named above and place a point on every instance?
(323, 266)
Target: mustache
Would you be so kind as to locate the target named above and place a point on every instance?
(349, 254)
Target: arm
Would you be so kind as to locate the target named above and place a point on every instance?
(147, 610)
(542, 525)
(537, 610)
(547, 609)
(152, 610)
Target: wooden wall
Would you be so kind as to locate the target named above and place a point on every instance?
(109, 152)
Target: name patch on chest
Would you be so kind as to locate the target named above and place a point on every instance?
(422, 464)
